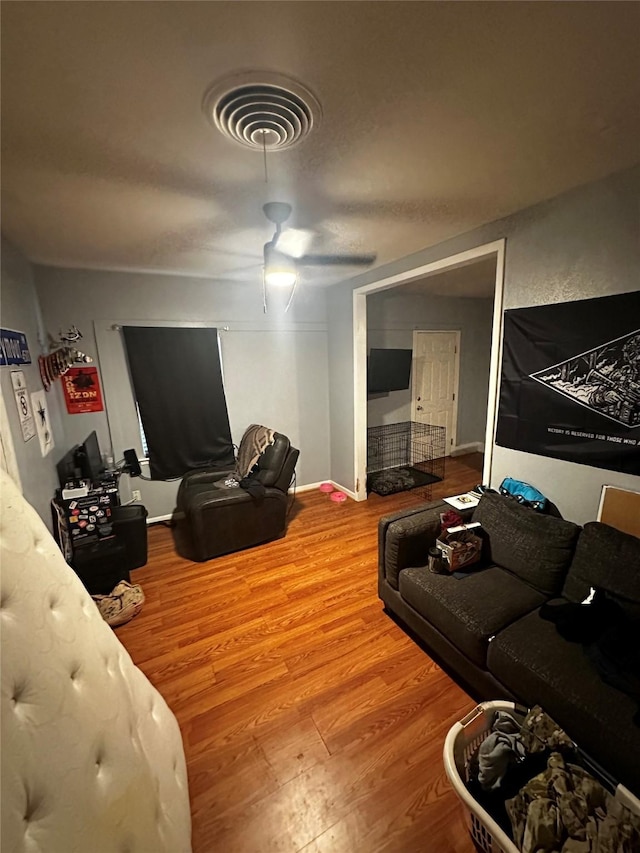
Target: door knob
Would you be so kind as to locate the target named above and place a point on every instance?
(419, 408)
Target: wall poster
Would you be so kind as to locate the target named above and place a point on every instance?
(570, 386)
(43, 424)
(81, 386)
(27, 424)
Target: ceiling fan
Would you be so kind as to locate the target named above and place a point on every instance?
(286, 252)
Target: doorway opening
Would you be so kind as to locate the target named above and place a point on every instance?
(385, 318)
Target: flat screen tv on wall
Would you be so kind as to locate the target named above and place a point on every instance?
(388, 370)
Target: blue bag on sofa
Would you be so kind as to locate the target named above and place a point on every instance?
(523, 493)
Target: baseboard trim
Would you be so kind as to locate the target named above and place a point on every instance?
(474, 447)
(309, 487)
(159, 518)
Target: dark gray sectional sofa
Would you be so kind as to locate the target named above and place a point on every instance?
(487, 630)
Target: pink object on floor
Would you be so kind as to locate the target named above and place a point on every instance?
(326, 487)
(338, 497)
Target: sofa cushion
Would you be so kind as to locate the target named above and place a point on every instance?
(469, 610)
(608, 559)
(537, 548)
(534, 662)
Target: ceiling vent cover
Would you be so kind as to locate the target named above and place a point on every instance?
(262, 110)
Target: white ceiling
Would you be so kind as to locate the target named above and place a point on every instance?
(437, 117)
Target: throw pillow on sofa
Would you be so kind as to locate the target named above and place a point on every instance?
(606, 559)
(536, 548)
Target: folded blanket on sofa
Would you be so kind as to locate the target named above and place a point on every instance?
(254, 442)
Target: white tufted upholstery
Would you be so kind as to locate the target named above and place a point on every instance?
(92, 758)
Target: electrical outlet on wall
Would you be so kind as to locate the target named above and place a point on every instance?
(136, 495)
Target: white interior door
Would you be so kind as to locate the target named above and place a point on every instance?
(435, 370)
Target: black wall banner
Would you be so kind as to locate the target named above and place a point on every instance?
(570, 385)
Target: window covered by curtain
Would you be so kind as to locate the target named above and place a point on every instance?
(177, 381)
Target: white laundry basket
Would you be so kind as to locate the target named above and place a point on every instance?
(460, 745)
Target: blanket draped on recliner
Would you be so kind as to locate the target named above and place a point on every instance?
(254, 442)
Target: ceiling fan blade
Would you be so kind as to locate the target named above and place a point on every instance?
(233, 273)
(337, 260)
(294, 241)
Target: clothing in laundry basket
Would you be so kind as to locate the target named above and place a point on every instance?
(499, 751)
(565, 809)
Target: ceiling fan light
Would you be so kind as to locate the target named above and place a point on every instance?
(279, 270)
(280, 278)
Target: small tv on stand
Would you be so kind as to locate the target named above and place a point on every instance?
(89, 459)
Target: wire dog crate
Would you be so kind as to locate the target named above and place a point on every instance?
(404, 456)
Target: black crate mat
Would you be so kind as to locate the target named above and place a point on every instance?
(399, 479)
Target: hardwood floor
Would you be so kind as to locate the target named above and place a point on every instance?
(311, 722)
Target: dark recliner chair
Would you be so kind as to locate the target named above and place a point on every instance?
(211, 520)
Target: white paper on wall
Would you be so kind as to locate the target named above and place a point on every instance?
(25, 414)
(43, 425)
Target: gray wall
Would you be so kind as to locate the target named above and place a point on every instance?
(579, 245)
(391, 319)
(20, 311)
(275, 365)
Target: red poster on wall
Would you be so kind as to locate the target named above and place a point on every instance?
(82, 390)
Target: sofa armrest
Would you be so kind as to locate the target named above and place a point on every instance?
(405, 537)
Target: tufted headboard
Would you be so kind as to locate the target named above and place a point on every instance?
(92, 757)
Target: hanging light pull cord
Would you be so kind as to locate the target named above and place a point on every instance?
(264, 292)
(264, 154)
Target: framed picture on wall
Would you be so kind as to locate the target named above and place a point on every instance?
(82, 393)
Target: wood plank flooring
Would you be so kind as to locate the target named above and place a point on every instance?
(311, 722)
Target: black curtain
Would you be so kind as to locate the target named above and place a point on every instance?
(177, 380)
